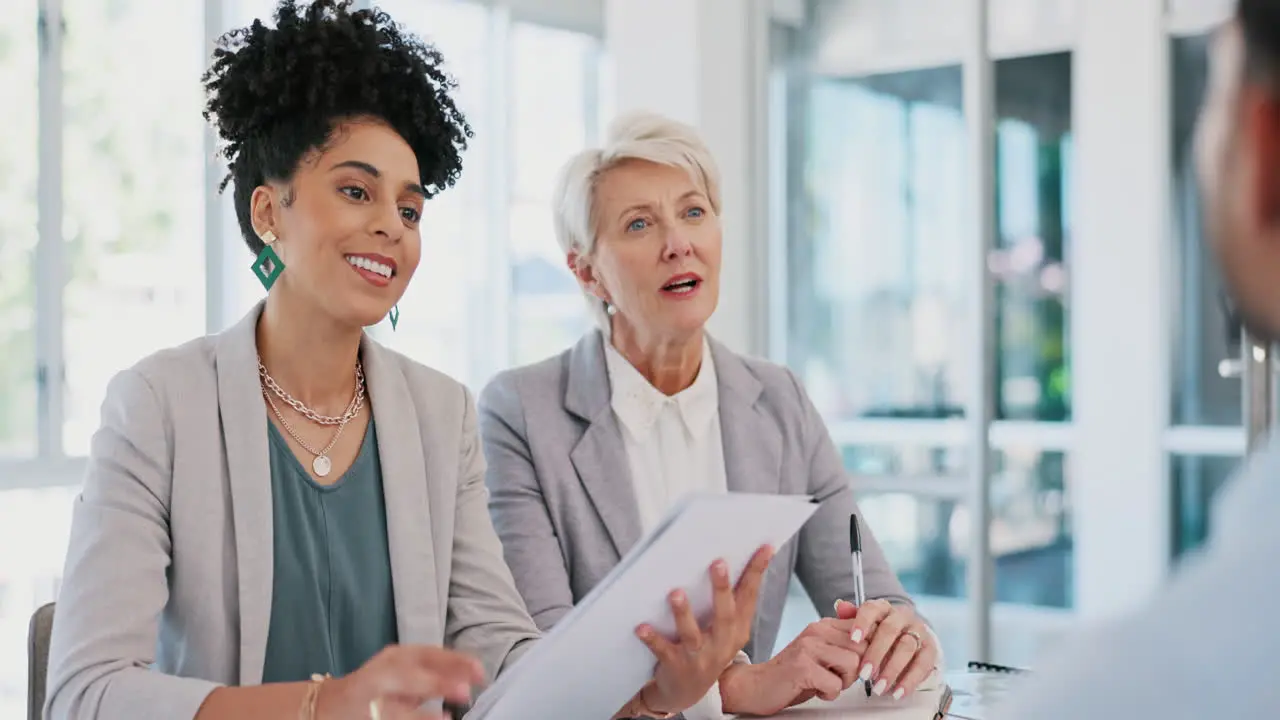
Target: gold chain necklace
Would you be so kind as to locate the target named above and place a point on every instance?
(322, 464)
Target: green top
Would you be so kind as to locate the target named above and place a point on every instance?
(331, 604)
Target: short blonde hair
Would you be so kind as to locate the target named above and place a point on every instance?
(636, 135)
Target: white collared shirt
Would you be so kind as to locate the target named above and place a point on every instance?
(673, 442)
(673, 449)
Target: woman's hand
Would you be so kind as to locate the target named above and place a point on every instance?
(394, 683)
(689, 666)
(822, 661)
(901, 652)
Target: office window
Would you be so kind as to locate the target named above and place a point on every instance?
(1031, 538)
(19, 161)
(492, 289)
(905, 462)
(239, 289)
(1206, 339)
(18, 231)
(920, 537)
(37, 522)
(133, 192)
(876, 319)
(447, 313)
(1033, 180)
(1197, 480)
(913, 497)
(553, 79)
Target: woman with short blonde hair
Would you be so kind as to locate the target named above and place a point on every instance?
(587, 450)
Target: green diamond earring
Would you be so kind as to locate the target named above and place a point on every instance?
(394, 315)
(268, 265)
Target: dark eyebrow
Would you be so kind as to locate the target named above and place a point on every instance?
(365, 167)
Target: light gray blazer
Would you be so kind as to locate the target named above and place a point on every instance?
(170, 559)
(562, 499)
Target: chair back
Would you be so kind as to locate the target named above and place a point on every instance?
(38, 659)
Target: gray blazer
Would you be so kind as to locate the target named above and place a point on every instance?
(167, 587)
(562, 500)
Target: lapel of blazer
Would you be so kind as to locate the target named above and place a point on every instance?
(401, 450)
(752, 453)
(600, 457)
(752, 444)
(244, 433)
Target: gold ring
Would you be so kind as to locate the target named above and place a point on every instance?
(914, 636)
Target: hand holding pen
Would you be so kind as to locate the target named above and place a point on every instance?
(901, 652)
(859, 590)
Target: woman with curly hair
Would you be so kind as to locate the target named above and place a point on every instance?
(288, 501)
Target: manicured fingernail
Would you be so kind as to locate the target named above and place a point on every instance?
(880, 687)
(897, 694)
(856, 636)
(836, 606)
(643, 632)
(678, 598)
(866, 672)
(720, 568)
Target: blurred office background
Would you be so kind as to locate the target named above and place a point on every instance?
(853, 254)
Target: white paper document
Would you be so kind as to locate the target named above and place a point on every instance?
(591, 663)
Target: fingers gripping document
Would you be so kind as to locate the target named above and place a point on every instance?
(591, 663)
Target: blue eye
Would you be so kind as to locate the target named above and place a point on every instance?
(696, 212)
(353, 192)
(637, 225)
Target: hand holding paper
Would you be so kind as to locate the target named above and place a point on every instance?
(592, 661)
(688, 667)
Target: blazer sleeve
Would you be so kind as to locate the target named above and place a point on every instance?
(823, 560)
(486, 616)
(519, 509)
(114, 583)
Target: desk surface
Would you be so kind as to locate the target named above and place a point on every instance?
(855, 705)
(971, 691)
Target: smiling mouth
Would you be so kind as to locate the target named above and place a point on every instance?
(372, 266)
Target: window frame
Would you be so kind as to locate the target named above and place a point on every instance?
(985, 42)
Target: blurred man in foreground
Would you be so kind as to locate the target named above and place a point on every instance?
(1204, 648)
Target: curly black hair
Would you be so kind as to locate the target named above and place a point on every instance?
(276, 94)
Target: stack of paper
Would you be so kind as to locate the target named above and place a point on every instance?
(591, 663)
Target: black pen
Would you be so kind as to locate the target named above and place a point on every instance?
(859, 587)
